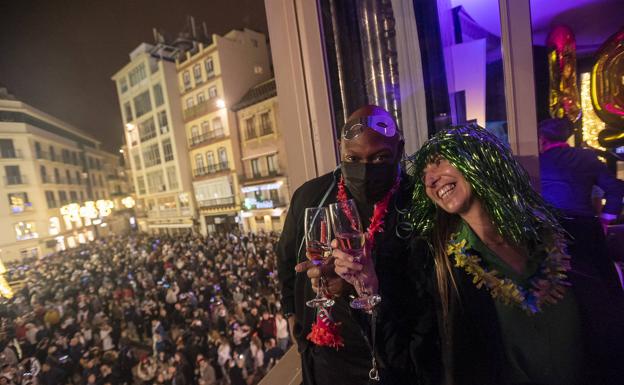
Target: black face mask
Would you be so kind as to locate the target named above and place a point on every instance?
(368, 182)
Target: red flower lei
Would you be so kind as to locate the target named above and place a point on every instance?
(326, 332)
(379, 212)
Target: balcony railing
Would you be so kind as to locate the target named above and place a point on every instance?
(211, 169)
(56, 158)
(200, 109)
(228, 201)
(206, 137)
(10, 154)
(11, 180)
(258, 177)
(266, 129)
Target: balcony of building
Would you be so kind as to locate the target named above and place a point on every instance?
(260, 177)
(44, 155)
(211, 170)
(11, 153)
(15, 180)
(200, 109)
(216, 203)
(206, 138)
(163, 213)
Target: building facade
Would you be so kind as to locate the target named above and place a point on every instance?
(46, 164)
(155, 139)
(264, 192)
(211, 78)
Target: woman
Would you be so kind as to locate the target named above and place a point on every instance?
(508, 314)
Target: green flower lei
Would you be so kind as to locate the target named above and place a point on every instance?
(548, 284)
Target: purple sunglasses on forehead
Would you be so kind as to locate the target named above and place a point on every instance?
(381, 124)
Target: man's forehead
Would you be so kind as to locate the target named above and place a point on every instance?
(370, 141)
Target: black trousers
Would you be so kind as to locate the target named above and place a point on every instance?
(327, 366)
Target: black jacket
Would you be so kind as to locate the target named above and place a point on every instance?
(568, 175)
(479, 354)
(405, 326)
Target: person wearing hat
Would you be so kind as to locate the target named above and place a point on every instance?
(367, 347)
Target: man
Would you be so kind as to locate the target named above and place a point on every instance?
(370, 150)
(568, 175)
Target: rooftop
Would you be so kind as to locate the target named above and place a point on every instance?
(256, 94)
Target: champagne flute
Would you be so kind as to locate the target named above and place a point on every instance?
(352, 240)
(318, 248)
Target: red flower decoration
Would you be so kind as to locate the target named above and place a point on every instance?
(325, 332)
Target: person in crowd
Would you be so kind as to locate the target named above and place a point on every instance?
(511, 309)
(568, 176)
(371, 149)
(205, 372)
(282, 335)
(139, 309)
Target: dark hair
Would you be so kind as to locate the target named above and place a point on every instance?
(555, 130)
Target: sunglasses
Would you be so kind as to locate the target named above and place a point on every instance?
(381, 124)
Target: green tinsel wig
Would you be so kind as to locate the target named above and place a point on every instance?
(519, 212)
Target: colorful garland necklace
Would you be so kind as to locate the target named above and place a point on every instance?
(325, 331)
(547, 286)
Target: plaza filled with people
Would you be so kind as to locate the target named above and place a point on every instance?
(146, 309)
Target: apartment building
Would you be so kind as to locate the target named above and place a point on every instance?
(264, 191)
(211, 78)
(46, 165)
(156, 144)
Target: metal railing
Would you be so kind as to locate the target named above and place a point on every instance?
(11, 180)
(206, 137)
(228, 201)
(44, 155)
(211, 169)
(266, 129)
(261, 176)
(10, 154)
(203, 108)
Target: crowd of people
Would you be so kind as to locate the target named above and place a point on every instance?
(145, 310)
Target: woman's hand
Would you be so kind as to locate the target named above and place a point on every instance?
(360, 274)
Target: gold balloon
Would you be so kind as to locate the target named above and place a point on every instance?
(564, 98)
(607, 84)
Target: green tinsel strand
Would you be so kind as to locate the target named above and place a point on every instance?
(519, 212)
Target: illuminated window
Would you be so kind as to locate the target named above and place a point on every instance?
(25, 230)
(54, 226)
(19, 202)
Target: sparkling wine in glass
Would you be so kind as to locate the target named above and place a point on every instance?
(318, 248)
(352, 239)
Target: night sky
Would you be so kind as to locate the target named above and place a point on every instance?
(59, 55)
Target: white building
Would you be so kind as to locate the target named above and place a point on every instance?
(45, 164)
(155, 139)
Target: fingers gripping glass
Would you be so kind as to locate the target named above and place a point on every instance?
(318, 248)
(381, 124)
(352, 239)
